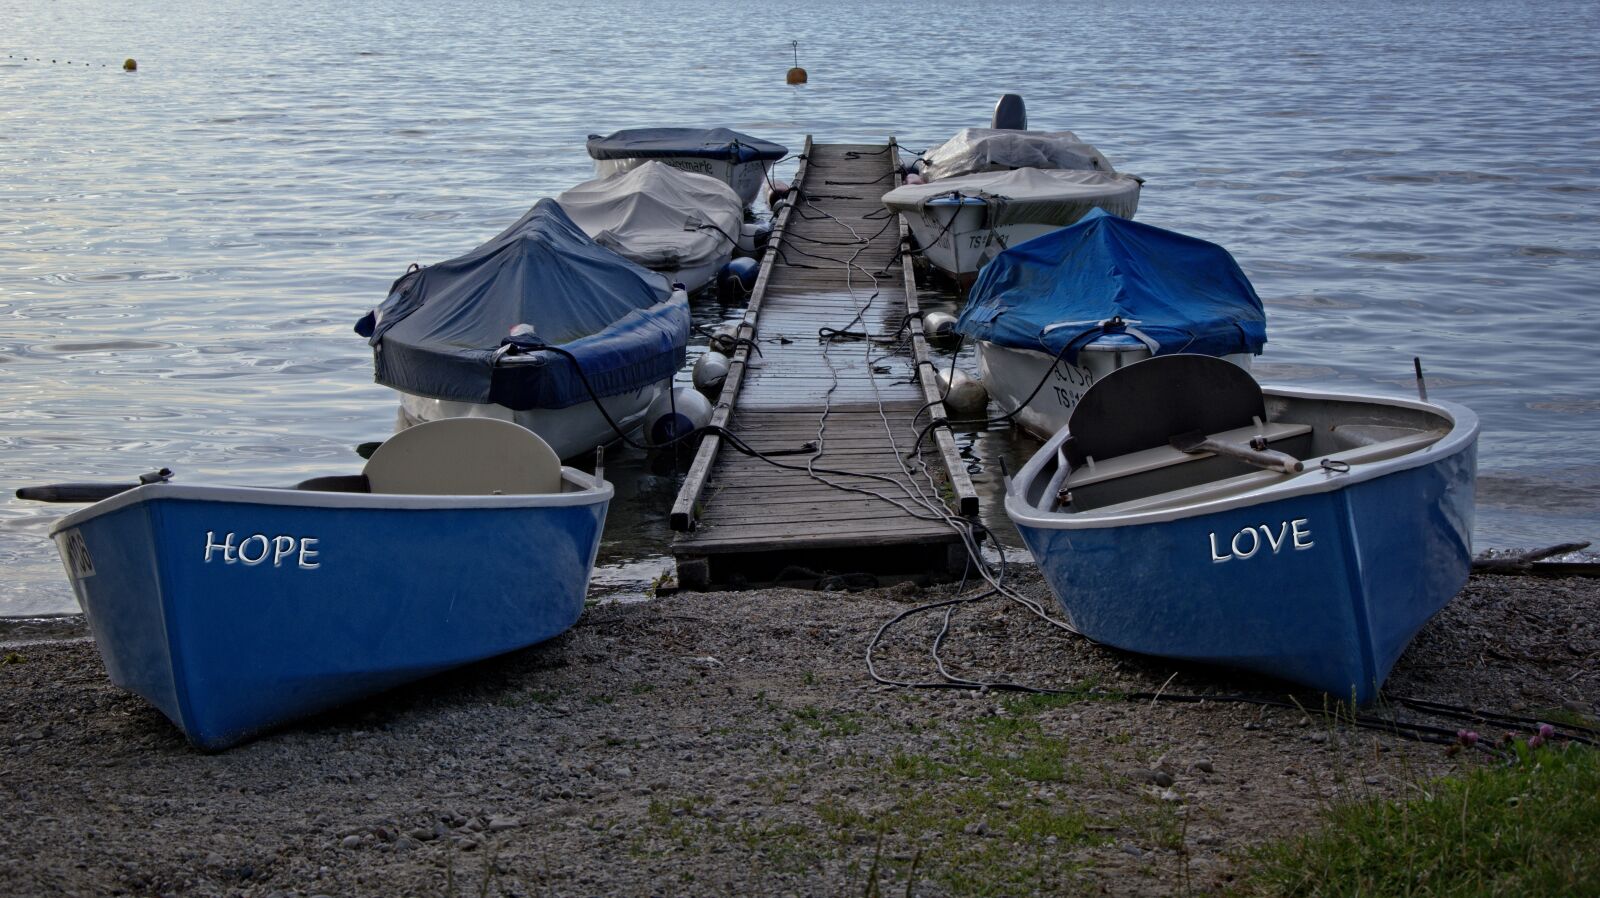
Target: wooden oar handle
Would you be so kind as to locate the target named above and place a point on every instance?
(1271, 459)
(87, 492)
(73, 492)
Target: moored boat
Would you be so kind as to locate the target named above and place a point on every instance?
(961, 223)
(986, 189)
(683, 225)
(1304, 534)
(234, 610)
(1057, 314)
(736, 159)
(976, 150)
(541, 326)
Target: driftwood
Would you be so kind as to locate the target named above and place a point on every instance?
(1530, 562)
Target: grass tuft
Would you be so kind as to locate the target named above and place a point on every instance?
(1504, 830)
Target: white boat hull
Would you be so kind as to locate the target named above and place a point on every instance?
(961, 247)
(572, 431)
(1012, 374)
(746, 178)
(697, 277)
(956, 238)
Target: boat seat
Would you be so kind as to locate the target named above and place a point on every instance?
(464, 457)
(1146, 460)
(1243, 483)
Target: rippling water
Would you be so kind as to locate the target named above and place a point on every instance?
(183, 249)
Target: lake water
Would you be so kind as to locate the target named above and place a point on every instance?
(183, 249)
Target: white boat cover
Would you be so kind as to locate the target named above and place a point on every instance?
(976, 150)
(1028, 195)
(657, 216)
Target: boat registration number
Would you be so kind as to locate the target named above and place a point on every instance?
(75, 554)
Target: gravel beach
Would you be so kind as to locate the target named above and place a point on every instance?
(734, 744)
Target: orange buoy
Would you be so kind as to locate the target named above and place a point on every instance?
(129, 65)
(796, 75)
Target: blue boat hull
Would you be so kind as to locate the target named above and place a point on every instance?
(1323, 589)
(234, 616)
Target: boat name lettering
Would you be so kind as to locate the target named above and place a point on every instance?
(697, 167)
(1247, 542)
(258, 547)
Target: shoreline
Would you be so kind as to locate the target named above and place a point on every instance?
(710, 743)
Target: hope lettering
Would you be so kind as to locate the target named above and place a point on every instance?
(1247, 542)
(258, 547)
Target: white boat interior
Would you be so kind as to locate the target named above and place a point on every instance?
(1325, 432)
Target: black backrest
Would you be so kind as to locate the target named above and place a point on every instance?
(1148, 403)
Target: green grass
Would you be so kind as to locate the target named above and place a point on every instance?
(970, 816)
(831, 724)
(1527, 828)
(1563, 717)
(976, 814)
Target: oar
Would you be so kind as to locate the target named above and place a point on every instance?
(88, 492)
(1195, 442)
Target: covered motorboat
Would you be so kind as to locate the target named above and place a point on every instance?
(735, 159)
(962, 222)
(684, 225)
(1303, 534)
(976, 150)
(235, 609)
(541, 326)
(1055, 315)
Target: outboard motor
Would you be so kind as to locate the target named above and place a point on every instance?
(1010, 113)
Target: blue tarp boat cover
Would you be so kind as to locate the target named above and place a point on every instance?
(699, 143)
(439, 332)
(1175, 293)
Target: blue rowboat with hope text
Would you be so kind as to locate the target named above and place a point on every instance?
(1186, 513)
(236, 609)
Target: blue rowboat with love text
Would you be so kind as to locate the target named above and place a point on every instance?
(236, 609)
(1186, 512)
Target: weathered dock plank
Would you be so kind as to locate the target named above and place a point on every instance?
(847, 493)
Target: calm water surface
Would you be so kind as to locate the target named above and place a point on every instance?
(183, 249)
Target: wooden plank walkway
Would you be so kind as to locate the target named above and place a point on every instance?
(834, 261)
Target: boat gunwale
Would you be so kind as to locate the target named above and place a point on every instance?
(589, 491)
(1463, 433)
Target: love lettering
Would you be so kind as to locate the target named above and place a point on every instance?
(1251, 540)
(258, 547)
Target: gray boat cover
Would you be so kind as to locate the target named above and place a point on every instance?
(657, 215)
(976, 150)
(1031, 195)
(700, 143)
(442, 332)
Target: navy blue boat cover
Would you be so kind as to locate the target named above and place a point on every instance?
(699, 143)
(439, 331)
(1176, 293)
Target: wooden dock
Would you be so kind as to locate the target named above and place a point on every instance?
(851, 505)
